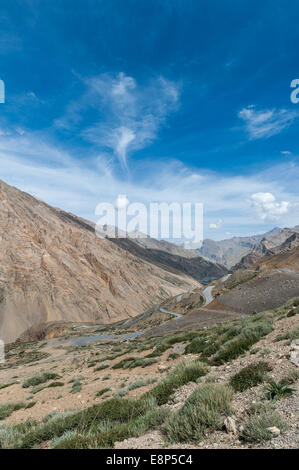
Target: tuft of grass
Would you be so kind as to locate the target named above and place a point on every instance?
(77, 385)
(7, 385)
(40, 379)
(101, 367)
(201, 412)
(103, 391)
(55, 384)
(127, 363)
(250, 376)
(256, 428)
(292, 377)
(141, 383)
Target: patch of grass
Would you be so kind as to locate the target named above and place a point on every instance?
(256, 429)
(275, 391)
(103, 391)
(6, 409)
(101, 367)
(40, 379)
(149, 362)
(121, 393)
(291, 335)
(250, 334)
(7, 385)
(118, 411)
(11, 436)
(109, 433)
(77, 385)
(141, 383)
(184, 373)
(55, 384)
(30, 405)
(201, 412)
(250, 376)
(172, 356)
(125, 363)
(292, 377)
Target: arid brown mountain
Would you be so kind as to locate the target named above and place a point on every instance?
(53, 267)
(265, 249)
(230, 252)
(285, 259)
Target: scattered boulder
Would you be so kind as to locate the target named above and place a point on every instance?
(230, 425)
(294, 357)
(179, 348)
(163, 368)
(274, 431)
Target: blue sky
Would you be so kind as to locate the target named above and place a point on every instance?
(162, 100)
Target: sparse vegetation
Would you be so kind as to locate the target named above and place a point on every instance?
(40, 379)
(257, 427)
(6, 409)
(202, 411)
(275, 391)
(250, 376)
(103, 391)
(185, 372)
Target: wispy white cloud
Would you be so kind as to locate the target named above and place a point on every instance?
(129, 115)
(266, 123)
(39, 167)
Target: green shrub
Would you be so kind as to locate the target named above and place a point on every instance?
(196, 346)
(256, 429)
(55, 384)
(40, 379)
(6, 409)
(7, 385)
(184, 373)
(102, 391)
(250, 376)
(201, 411)
(275, 391)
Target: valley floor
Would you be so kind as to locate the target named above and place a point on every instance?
(48, 387)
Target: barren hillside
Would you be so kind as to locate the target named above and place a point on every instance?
(53, 267)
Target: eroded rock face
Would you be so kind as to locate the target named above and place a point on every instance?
(53, 267)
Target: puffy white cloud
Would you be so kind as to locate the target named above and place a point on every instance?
(268, 208)
(265, 123)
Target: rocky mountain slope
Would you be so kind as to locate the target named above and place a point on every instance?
(53, 267)
(265, 249)
(229, 252)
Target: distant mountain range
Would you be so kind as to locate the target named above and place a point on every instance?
(231, 251)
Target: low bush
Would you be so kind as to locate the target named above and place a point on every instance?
(184, 373)
(250, 376)
(256, 429)
(201, 412)
(6, 409)
(40, 379)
